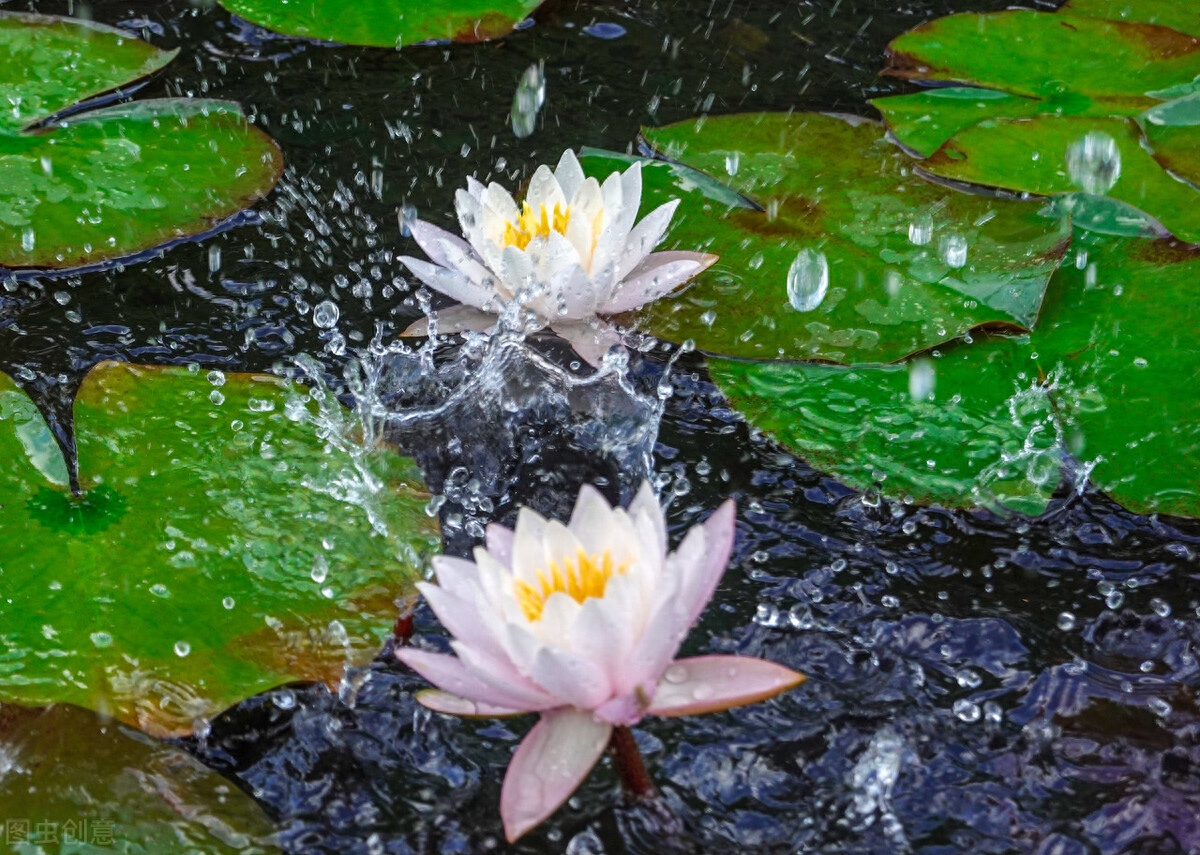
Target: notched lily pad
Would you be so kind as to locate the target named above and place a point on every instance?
(386, 23)
(852, 259)
(221, 546)
(1033, 156)
(88, 785)
(110, 183)
(1047, 55)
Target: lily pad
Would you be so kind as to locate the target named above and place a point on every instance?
(1181, 15)
(386, 23)
(1048, 55)
(77, 783)
(1031, 156)
(1108, 376)
(113, 182)
(221, 546)
(851, 259)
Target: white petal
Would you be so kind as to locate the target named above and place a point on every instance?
(453, 284)
(658, 275)
(701, 581)
(569, 174)
(590, 520)
(529, 554)
(602, 634)
(500, 676)
(454, 319)
(456, 575)
(558, 616)
(587, 210)
(574, 680)
(461, 618)
(645, 236)
(544, 191)
(560, 544)
(590, 340)
(501, 202)
(548, 765)
(474, 187)
(432, 239)
(500, 543)
(452, 675)
(572, 296)
(647, 515)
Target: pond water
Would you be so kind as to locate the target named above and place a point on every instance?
(977, 683)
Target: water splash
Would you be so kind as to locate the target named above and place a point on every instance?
(528, 100)
(1094, 163)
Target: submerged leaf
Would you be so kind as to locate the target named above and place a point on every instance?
(848, 258)
(386, 23)
(91, 785)
(220, 547)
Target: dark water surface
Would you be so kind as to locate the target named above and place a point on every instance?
(976, 684)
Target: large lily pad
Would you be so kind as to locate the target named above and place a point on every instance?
(1113, 354)
(1045, 55)
(851, 259)
(114, 182)
(221, 546)
(386, 23)
(76, 783)
(1031, 156)
(1182, 15)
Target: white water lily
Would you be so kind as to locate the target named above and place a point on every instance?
(581, 623)
(571, 252)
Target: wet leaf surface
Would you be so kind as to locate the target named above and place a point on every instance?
(1031, 156)
(75, 782)
(1178, 15)
(1108, 377)
(113, 182)
(219, 547)
(852, 259)
(1047, 55)
(386, 23)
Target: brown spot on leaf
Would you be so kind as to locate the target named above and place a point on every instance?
(492, 25)
(1165, 251)
(1162, 42)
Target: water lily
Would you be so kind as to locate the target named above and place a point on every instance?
(581, 623)
(570, 252)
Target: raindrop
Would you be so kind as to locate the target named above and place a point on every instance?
(1066, 621)
(320, 568)
(228, 602)
(160, 590)
(182, 648)
(920, 230)
(101, 639)
(1094, 162)
(1159, 707)
(28, 239)
(953, 249)
(1114, 600)
(807, 280)
(528, 100)
(732, 161)
(214, 259)
(967, 711)
(1160, 606)
(604, 30)
(968, 678)
(217, 378)
(407, 215)
(325, 314)
(922, 379)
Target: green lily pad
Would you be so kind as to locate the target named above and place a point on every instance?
(386, 23)
(113, 182)
(1031, 156)
(221, 546)
(80, 784)
(1173, 133)
(922, 121)
(1109, 376)
(1181, 15)
(35, 51)
(852, 258)
(1047, 55)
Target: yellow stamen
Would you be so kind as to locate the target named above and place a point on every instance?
(534, 224)
(585, 576)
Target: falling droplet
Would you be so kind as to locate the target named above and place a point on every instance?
(407, 215)
(920, 230)
(953, 249)
(320, 568)
(528, 100)
(922, 379)
(1094, 162)
(807, 280)
(732, 160)
(228, 602)
(182, 648)
(325, 314)
(28, 239)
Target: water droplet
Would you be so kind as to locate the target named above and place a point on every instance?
(920, 230)
(228, 602)
(325, 314)
(732, 160)
(968, 678)
(1160, 606)
(1094, 162)
(604, 30)
(28, 239)
(807, 280)
(1066, 621)
(967, 711)
(160, 590)
(676, 674)
(320, 568)
(953, 249)
(528, 100)
(182, 648)
(407, 215)
(922, 379)
(216, 397)
(101, 639)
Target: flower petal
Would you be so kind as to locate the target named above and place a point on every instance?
(453, 284)
(548, 765)
(647, 516)
(711, 683)
(460, 616)
(569, 174)
(454, 319)
(574, 680)
(457, 575)
(658, 275)
(499, 542)
(434, 241)
(444, 702)
(645, 236)
(591, 340)
(701, 582)
(451, 674)
(544, 190)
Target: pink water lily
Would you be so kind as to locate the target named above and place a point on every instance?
(581, 623)
(571, 252)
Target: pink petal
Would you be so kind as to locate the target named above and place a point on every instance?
(459, 616)
(499, 542)
(590, 340)
(574, 680)
(453, 284)
(494, 669)
(645, 236)
(701, 583)
(548, 766)
(657, 276)
(456, 575)
(444, 702)
(712, 683)
(435, 240)
(454, 319)
(450, 674)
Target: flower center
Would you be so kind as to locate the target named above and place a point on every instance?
(579, 578)
(536, 223)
